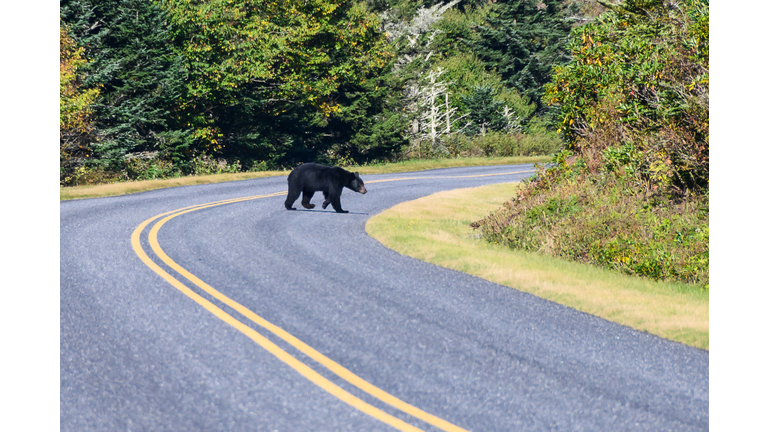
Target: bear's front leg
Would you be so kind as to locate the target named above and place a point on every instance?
(306, 196)
(335, 202)
(327, 200)
(292, 196)
(337, 206)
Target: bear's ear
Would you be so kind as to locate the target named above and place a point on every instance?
(357, 174)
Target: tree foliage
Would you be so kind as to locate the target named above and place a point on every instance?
(253, 63)
(523, 40)
(140, 76)
(636, 95)
(485, 112)
(76, 128)
(183, 87)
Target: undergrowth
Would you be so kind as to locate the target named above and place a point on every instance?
(605, 220)
(150, 166)
(492, 144)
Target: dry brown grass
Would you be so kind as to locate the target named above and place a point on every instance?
(113, 189)
(436, 229)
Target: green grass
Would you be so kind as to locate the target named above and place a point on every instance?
(113, 189)
(436, 229)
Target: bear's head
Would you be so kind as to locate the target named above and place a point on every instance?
(358, 185)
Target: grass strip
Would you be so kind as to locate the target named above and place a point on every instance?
(113, 189)
(436, 229)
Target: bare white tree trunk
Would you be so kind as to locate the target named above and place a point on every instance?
(513, 122)
(430, 110)
(447, 115)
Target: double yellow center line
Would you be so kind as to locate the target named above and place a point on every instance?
(265, 343)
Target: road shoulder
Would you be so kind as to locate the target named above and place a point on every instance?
(436, 229)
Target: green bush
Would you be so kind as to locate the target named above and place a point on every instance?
(631, 191)
(601, 219)
(502, 144)
(148, 168)
(89, 175)
(534, 144)
(202, 165)
(639, 78)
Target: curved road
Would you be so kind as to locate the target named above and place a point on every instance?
(243, 316)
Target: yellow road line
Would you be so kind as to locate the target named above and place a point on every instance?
(307, 372)
(265, 343)
(336, 368)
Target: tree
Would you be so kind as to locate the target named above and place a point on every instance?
(434, 120)
(485, 113)
(264, 76)
(523, 40)
(140, 77)
(76, 131)
(466, 73)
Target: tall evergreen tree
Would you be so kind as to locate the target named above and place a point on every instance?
(140, 77)
(523, 40)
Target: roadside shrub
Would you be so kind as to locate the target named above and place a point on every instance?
(496, 144)
(89, 175)
(601, 219)
(146, 166)
(530, 145)
(460, 145)
(631, 191)
(502, 144)
(639, 77)
(259, 166)
(204, 164)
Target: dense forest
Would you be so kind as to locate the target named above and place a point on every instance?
(617, 90)
(159, 88)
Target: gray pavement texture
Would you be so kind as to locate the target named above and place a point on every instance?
(138, 355)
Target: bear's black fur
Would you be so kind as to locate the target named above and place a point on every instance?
(309, 178)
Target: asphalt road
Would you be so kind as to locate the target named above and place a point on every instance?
(363, 338)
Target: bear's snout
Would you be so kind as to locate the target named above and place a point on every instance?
(362, 190)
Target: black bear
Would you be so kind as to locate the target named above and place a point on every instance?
(309, 178)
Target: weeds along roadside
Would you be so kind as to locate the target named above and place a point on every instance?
(605, 220)
(121, 188)
(465, 151)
